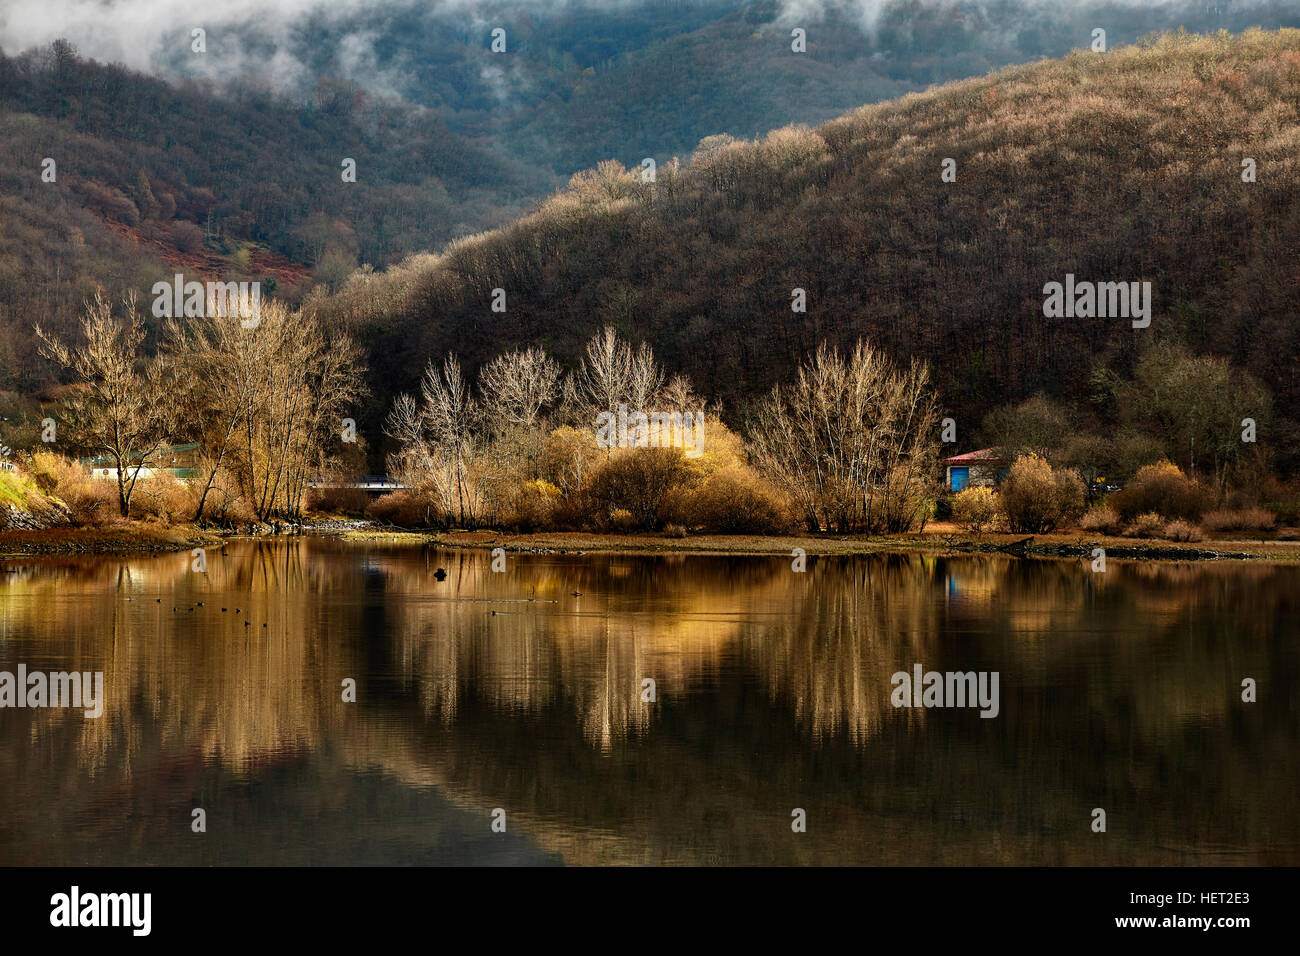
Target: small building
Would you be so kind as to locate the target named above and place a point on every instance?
(181, 461)
(985, 467)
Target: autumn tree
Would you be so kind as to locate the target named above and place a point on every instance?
(124, 407)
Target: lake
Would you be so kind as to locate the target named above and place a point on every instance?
(521, 698)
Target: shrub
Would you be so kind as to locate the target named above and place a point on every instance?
(1240, 519)
(1149, 525)
(1101, 518)
(1035, 497)
(569, 456)
(535, 506)
(622, 520)
(1164, 489)
(90, 501)
(408, 508)
(186, 236)
(638, 481)
(733, 499)
(975, 508)
(674, 531)
(1180, 530)
(349, 501)
(162, 495)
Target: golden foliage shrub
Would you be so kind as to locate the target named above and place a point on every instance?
(568, 456)
(1161, 488)
(164, 497)
(1148, 525)
(635, 480)
(408, 508)
(1101, 518)
(733, 500)
(1180, 530)
(535, 506)
(976, 508)
(1036, 498)
(90, 501)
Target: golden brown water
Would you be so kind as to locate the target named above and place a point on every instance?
(1119, 690)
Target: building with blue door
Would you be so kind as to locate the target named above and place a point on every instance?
(985, 467)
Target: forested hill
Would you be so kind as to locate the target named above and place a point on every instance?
(151, 178)
(1123, 166)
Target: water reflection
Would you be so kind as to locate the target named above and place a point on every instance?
(523, 690)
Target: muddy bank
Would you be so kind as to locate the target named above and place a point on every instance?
(144, 537)
(147, 536)
(1053, 546)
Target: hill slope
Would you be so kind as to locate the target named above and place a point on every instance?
(151, 178)
(1122, 166)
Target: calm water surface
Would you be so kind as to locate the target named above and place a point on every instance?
(522, 690)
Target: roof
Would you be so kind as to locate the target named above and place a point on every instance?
(985, 456)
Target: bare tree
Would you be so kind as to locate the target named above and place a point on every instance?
(515, 387)
(221, 368)
(852, 440)
(264, 402)
(601, 381)
(124, 408)
(439, 440)
(613, 374)
(679, 395)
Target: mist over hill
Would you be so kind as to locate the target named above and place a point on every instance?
(586, 80)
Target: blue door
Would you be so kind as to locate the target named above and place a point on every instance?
(959, 478)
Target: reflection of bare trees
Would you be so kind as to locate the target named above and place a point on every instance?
(182, 670)
(523, 689)
(524, 641)
(851, 625)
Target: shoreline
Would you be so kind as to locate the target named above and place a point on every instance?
(1056, 545)
(148, 538)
